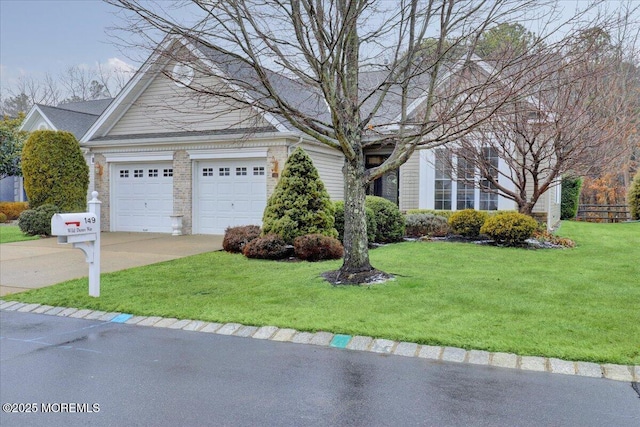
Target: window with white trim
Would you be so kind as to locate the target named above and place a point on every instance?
(152, 173)
(460, 190)
(138, 173)
(207, 171)
(223, 172)
(167, 172)
(241, 171)
(258, 170)
(124, 173)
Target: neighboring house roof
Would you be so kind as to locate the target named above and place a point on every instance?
(74, 117)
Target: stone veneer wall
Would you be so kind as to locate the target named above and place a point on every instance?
(183, 189)
(280, 154)
(101, 182)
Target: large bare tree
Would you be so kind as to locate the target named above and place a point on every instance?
(399, 74)
(579, 118)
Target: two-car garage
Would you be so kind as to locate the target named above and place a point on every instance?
(226, 192)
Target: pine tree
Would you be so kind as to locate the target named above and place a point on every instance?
(300, 203)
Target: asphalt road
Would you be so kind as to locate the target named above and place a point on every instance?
(131, 375)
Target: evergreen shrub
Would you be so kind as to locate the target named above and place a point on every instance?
(236, 237)
(270, 246)
(424, 224)
(633, 197)
(510, 228)
(389, 220)
(3, 218)
(570, 197)
(467, 222)
(300, 203)
(372, 225)
(55, 171)
(317, 247)
(37, 222)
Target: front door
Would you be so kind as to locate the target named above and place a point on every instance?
(387, 185)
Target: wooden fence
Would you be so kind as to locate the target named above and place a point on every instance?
(603, 213)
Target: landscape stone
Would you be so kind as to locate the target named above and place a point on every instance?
(430, 352)
(504, 360)
(406, 349)
(479, 357)
(284, 335)
(453, 354)
(265, 332)
(533, 363)
(382, 346)
(302, 338)
(28, 308)
(559, 366)
(360, 343)
(228, 328)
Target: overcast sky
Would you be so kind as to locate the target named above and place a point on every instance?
(48, 36)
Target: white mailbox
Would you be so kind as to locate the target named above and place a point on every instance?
(75, 224)
(83, 230)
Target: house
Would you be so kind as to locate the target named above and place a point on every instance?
(75, 117)
(160, 150)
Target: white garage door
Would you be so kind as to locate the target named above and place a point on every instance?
(143, 197)
(229, 193)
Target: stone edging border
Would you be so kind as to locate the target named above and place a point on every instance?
(361, 343)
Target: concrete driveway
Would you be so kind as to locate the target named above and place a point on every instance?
(44, 262)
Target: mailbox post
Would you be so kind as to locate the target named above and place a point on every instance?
(83, 231)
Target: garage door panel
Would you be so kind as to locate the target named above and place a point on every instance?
(143, 197)
(233, 194)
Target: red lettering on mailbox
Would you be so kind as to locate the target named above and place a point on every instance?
(77, 223)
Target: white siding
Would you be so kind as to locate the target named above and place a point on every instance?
(166, 107)
(329, 167)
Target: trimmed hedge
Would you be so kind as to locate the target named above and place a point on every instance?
(55, 171)
(37, 222)
(424, 224)
(444, 214)
(270, 246)
(13, 209)
(372, 225)
(570, 197)
(633, 197)
(317, 247)
(510, 228)
(467, 222)
(236, 237)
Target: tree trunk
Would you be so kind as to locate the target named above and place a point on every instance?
(356, 243)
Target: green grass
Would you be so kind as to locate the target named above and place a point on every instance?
(575, 304)
(12, 233)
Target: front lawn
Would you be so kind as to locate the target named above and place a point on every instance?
(575, 304)
(12, 233)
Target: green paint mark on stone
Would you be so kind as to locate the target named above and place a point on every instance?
(340, 341)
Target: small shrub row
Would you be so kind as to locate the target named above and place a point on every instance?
(13, 209)
(248, 241)
(426, 224)
(37, 222)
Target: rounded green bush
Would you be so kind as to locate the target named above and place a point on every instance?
(300, 203)
(633, 197)
(37, 222)
(55, 171)
(510, 228)
(467, 222)
(3, 218)
(372, 225)
(424, 224)
(389, 220)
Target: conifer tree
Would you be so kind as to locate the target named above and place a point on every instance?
(300, 203)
